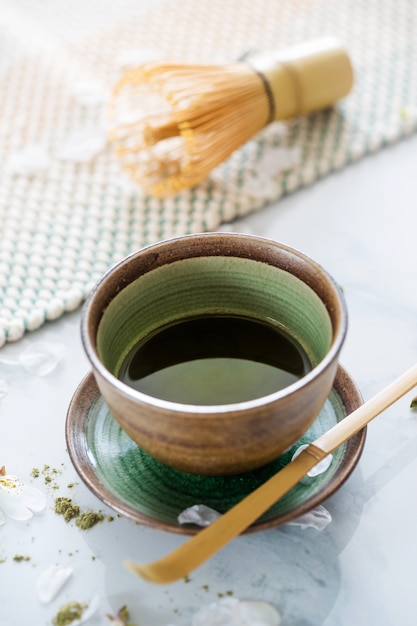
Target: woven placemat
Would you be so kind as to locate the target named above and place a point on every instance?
(67, 212)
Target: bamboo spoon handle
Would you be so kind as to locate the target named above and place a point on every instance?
(207, 542)
(359, 418)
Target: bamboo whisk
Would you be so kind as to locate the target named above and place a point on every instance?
(172, 124)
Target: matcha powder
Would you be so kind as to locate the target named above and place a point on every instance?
(88, 520)
(68, 613)
(69, 511)
(65, 507)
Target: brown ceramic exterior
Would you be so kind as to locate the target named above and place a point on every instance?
(222, 439)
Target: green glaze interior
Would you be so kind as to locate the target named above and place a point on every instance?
(213, 285)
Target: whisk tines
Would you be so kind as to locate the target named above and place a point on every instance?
(172, 124)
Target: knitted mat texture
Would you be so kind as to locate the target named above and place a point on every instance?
(68, 212)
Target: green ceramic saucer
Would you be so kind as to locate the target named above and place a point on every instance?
(141, 488)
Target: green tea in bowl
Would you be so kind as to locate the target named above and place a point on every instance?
(214, 359)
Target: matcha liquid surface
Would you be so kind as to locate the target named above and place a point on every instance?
(215, 359)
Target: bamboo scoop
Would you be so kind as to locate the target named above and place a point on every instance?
(172, 124)
(207, 542)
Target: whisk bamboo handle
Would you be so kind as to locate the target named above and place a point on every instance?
(305, 78)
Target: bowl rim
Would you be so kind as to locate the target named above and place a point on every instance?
(130, 393)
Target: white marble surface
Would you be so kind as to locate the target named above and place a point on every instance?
(361, 225)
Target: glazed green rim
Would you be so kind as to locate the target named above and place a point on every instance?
(203, 283)
(139, 487)
(213, 285)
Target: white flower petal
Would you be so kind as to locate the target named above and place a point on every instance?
(19, 501)
(234, 612)
(138, 56)
(4, 388)
(216, 613)
(199, 514)
(29, 160)
(259, 614)
(33, 498)
(51, 581)
(9, 362)
(260, 186)
(277, 160)
(10, 484)
(83, 146)
(318, 518)
(89, 94)
(42, 357)
(318, 469)
(13, 507)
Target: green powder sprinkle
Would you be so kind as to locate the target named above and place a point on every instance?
(226, 593)
(35, 472)
(88, 520)
(413, 404)
(20, 558)
(69, 613)
(69, 510)
(50, 474)
(65, 507)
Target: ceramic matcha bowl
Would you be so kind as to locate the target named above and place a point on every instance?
(213, 277)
